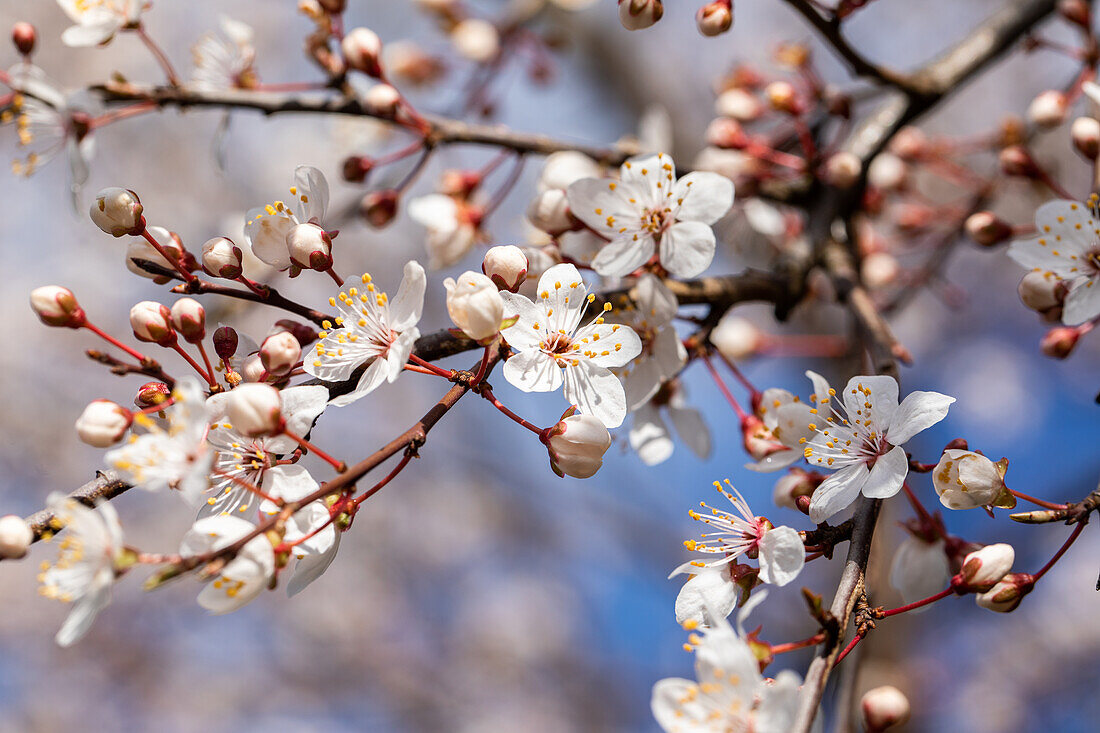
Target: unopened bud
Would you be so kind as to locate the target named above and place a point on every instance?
(783, 97)
(884, 707)
(406, 61)
(476, 39)
(984, 568)
(1085, 132)
(1016, 161)
(740, 104)
(117, 211)
(382, 100)
(222, 258)
(1060, 341)
(964, 479)
(361, 48)
(577, 445)
(842, 170)
(759, 442)
(280, 352)
(638, 14)
(15, 537)
(57, 306)
(837, 102)
(460, 183)
(254, 410)
(909, 144)
(1048, 109)
(793, 484)
(103, 423)
(714, 18)
(506, 265)
(1041, 292)
(24, 36)
(189, 318)
(1076, 11)
(139, 248)
(225, 342)
(1007, 593)
(378, 208)
(310, 247)
(726, 132)
(333, 7)
(152, 394)
(737, 338)
(987, 229)
(888, 172)
(549, 211)
(252, 368)
(879, 269)
(475, 305)
(566, 167)
(306, 335)
(356, 168)
(152, 322)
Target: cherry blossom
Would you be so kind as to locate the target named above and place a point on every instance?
(267, 228)
(552, 347)
(310, 529)
(649, 211)
(650, 436)
(663, 354)
(224, 61)
(920, 568)
(452, 227)
(369, 331)
(97, 21)
(245, 576)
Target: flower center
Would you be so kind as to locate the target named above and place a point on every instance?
(656, 221)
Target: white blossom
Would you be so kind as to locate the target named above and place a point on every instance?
(920, 568)
(663, 354)
(452, 230)
(224, 61)
(245, 576)
(97, 21)
(266, 228)
(650, 436)
(964, 479)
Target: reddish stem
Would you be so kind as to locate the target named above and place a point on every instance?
(161, 58)
(207, 376)
(389, 477)
(1061, 550)
(187, 275)
(340, 466)
(793, 645)
(918, 604)
(722, 387)
(488, 394)
(432, 368)
(851, 645)
(754, 393)
(1037, 502)
(115, 342)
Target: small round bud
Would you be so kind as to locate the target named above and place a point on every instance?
(1060, 341)
(310, 247)
(795, 483)
(1041, 292)
(984, 568)
(476, 39)
(726, 133)
(1085, 132)
(255, 410)
(252, 368)
(1007, 593)
(139, 248)
(783, 97)
(15, 537)
(225, 342)
(987, 229)
(576, 446)
(737, 338)
(356, 168)
(965, 479)
(1076, 11)
(378, 208)
(382, 100)
(549, 211)
(909, 144)
(506, 265)
(24, 36)
(887, 172)
(1048, 109)
(638, 14)
(117, 211)
(152, 394)
(333, 7)
(57, 306)
(475, 305)
(222, 258)
(714, 18)
(406, 61)
(103, 423)
(842, 169)
(566, 167)
(361, 48)
(280, 352)
(879, 269)
(189, 318)
(152, 322)
(1016, 161)
(739, 104)
(884, 707)
(306, 335)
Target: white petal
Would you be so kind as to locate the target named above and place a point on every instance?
(312, 193)
(373, 376)
(624, 254)
(668, 352)
(604, 205)
(706, 197)
(919, 410)
(1082, 303)
(692, 430)
(522, 335)
(301, 406)
(407, 307)
(883, 399)
(311, 567)
(837, 492)
(675, 706)
(708, 591)
(84, 612)
(533, 371)
(266, 234)
(779, 704)
(608, 345)
(399, 352)
(649, 436)
(687, 248)
(641, 383)
(655, 302)
(596, 392)
(887, 475)
(290, 482)
(782, 555)
(434, 211)
(655, 175)
(91, 33)
(561, 295)
(919, 569)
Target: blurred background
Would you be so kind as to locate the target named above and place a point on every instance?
(479, 592)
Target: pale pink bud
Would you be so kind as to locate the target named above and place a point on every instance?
(1048, 109)
(152, 322)
(1085, 132)
(506, 266)
(476, 39)
(737, 338)
(795, 483)
(879, 269)
(1016, 161)
(887, 172)
(1076, 11)
(361, 48)
(1007, 593)
(714, 18)
(842, 169)
(252, 368)
(965, 479)
(987, 229)
(310, 247)
(57, 306)
(255, 410)
(475, 305)
(406, 61)
(117, 211)
(152, 394)
(15, 537)
(189, 318)
(139, 248)
(884, 707)
(103, 423)
(566, 167)
(549, 211)
(378, 208)
(638, 14)
(783, 97)
(740, 104)
(576, 446)
(909, 144)
(984, 568)
(222, 258)
(1060, 341)
(382, 100)
(1041, 292)
(280, 352)
(24, 36)
(726, 132)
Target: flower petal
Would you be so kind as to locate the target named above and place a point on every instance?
(608, 344)
(533, 371)
(649, 437)
(687, 248)
(1082, 303)
(837, 492)
(704, 197)
(919, 569)
(624, 254)
(653, 175)
(692, 430)
(311, 191)
(596, 392)
(871, 397)
(605, 205)
(782, 555)
(405, 309)
(374, 375)
(708, 591)
(919, 410)
(887, 475)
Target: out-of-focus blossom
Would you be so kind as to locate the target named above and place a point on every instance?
(224, 61)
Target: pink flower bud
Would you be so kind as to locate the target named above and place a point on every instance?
(739, 104)
(726, 132)
(1048, 109)
(361, 48)
(406, 61)
(255, 410)
(1016, 161)
(842, 169)
(280, 352)
(566, 167)
(984, 568)
(884, 707)
(117, 211)
(222, 258)
(638, 14)
(189, 318)
(879, 269)
(576, 446)
(506, 265)
(24, 36)
(57, 306)
(382, 100)
(888, 172)
(152, 394)
(1041, 292)
(1076, 11)
(476, 39)
(550, 212)
(783, 97)
(475, 305)
(909, 144)
(152, 322)
(737, 338)
(1007, 593)
(1060, 341)
(139, 248)
(310, 247)
(252, 368)
(1085, 132)
(378, 208)
(758, 440)
(987, 229)
(964, 479)
(15, 537)
(714, 18)
(795, 483)
(225, 342)
(103, 423)
(356, 168)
